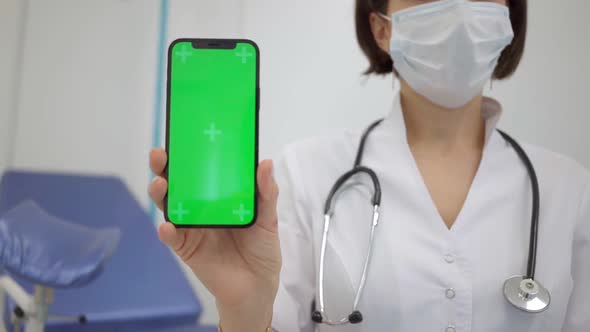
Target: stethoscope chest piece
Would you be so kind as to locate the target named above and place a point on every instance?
(526, 294)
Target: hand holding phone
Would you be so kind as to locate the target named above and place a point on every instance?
(208, 177)
(239, 266)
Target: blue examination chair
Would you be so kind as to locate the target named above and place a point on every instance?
(78, 253)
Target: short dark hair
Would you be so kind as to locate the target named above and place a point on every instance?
(380, 62)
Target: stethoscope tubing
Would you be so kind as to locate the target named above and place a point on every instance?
(532, 257)
(520, 301)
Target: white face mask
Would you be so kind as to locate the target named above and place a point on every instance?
(447, 50)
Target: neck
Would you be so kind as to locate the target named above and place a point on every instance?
(434, 127)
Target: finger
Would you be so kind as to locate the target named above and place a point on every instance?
(157, 190)
(171, 236)
(268, 192)
(192, 241)
(158, 160)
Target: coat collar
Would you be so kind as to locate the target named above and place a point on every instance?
(491, 111)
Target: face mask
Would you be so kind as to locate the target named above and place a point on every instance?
(447, 50)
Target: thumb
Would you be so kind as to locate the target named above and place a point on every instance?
(268, 192)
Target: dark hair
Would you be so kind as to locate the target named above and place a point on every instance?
(380, 62)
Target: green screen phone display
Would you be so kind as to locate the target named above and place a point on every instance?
(212, 132)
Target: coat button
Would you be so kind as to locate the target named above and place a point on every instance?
(450, 293)
(449, 258)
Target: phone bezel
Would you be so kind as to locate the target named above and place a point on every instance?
(213, 43)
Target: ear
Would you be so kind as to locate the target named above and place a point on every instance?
(381, 29)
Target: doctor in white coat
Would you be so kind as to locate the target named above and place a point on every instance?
(456, 198)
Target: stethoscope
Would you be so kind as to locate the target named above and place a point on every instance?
(523, 292)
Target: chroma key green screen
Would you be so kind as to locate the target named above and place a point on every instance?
(212, 133)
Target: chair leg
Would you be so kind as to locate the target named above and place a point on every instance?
(34, 309)
(43, 298)
(2, 309)
(34, 325)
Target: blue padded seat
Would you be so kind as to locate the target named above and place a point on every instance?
(49, 251)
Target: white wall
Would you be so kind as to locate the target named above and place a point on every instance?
(10, 29)
(545, 102)
(310, 70)
(86, 102)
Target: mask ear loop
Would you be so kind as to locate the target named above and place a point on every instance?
(383, 16)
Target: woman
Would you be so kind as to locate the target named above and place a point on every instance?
(456, 198)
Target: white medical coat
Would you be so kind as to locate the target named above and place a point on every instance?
(423, 276)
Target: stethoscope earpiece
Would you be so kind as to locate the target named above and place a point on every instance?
(526, 294)
(355, 317)
(316, 316)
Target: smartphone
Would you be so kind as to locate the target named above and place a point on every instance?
(212, 132)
